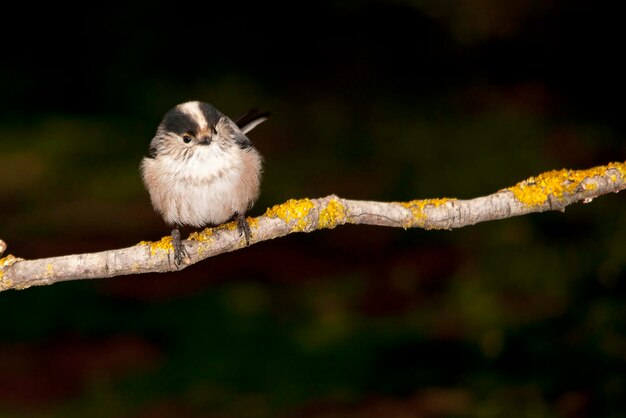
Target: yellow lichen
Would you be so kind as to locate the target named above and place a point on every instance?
(253, 222)
(333, 214)
(164, 244)
(292, 210)
(201, 236)
(8, 260)
(621, 167)
(49, 270)
(231, 226)
(5, 284)
(4, 263)
(417, 208)
(535, 191)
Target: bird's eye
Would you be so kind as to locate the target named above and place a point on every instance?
(186, 139)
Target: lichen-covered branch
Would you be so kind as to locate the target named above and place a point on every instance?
(553, 190)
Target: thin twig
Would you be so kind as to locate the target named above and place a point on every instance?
(553, 190)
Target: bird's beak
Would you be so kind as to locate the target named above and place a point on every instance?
(205, 140)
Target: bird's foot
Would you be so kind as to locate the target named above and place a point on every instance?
(244, 227)
(180, 253)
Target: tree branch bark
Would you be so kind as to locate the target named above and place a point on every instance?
(553, 190)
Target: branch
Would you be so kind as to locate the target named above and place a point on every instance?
(553, 190)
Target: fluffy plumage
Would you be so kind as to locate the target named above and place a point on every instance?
(202, 169)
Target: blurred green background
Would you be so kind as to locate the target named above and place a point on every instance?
(370, 100)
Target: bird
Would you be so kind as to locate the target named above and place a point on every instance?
(202, 169)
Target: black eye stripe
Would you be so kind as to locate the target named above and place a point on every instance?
(211, 114)
(179, 122)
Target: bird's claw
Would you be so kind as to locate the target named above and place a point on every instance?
(180, 253)
(244, 227)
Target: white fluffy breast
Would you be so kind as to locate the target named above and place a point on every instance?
(204, 164)
(206, 187)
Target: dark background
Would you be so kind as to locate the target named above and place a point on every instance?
(370, 100)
